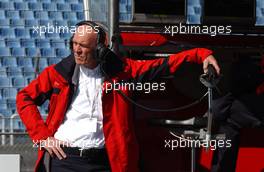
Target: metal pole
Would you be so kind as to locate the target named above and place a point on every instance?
(210, 114)
(86, 5)
(193, 159)
(3, 128)
(113, 21)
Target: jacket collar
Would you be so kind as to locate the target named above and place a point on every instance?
(66, 68)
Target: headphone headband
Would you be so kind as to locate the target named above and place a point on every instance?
(101, 33)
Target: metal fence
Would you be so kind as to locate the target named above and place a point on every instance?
(15, 140)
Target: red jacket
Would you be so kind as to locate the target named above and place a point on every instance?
(55, 83)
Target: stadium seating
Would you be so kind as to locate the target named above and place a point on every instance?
(4, 22)
(24, 62)
(17, 23)
(3, 72)
(2, 43)
(12, 42)
(18, 82)
(20, 6)
(21, 42)
(14, 71)
(42, 43)
(27, 42)
(9, 61)
(17, 51)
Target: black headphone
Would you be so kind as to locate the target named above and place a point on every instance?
(101, 48)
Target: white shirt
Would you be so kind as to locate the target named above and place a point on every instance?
(87, 103)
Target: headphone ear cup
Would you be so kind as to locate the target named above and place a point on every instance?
(101, 52)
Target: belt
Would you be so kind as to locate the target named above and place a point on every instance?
(92, 152)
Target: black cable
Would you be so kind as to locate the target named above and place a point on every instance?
(149, 108)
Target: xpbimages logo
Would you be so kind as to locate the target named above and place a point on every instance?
(181, 142)
(197, 29)
(49, 28)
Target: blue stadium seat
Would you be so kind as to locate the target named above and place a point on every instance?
(42, 43)
(29, 79)
(3, 104)
(9, 93)
(28, 72)
(47, 52)
(62, 52)
(6, 112)
(11, 102)
(53, 60)
(14, 71)
(35, 6)
(80, 16)
(17, 23)
(63, 7)
(72, 23)
(5, 22)
(12, 42)
(5, 82)
(24, 61)
(44, 1)
(55, 15)
(68, 15)
(7, 33)
(60, 23)
(31, 22)
(45, 22)
(41, 15)
(30, 0)
(2, 43)
(2, 14)
(12, 14)
(22, 33)
(32, 52)
(16, 0)
(65, 35)
(54, 35)
(58, 1)
(3, 72)
(42, 63)
(36, 33)
(76, 7)
(26, 15)
(9, 61)
(72, 1)
(27, 42)
(18, 82)
(20, 6)
(49, 6)
(57, 43)
(4, 51)
(7, 5)
(18, 51)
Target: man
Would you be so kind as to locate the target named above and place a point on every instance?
(95, 125)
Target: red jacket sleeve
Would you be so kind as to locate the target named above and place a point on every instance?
(27, 101)
(150, 69)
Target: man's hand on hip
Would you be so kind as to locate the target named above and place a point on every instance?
(53, 146)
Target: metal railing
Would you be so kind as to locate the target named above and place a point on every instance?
(15, 128)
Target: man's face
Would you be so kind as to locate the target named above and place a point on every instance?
(84, 45)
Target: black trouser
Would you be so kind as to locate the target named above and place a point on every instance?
(231, 115)
(89, 161)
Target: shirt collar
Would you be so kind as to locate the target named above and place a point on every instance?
(90, 72)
